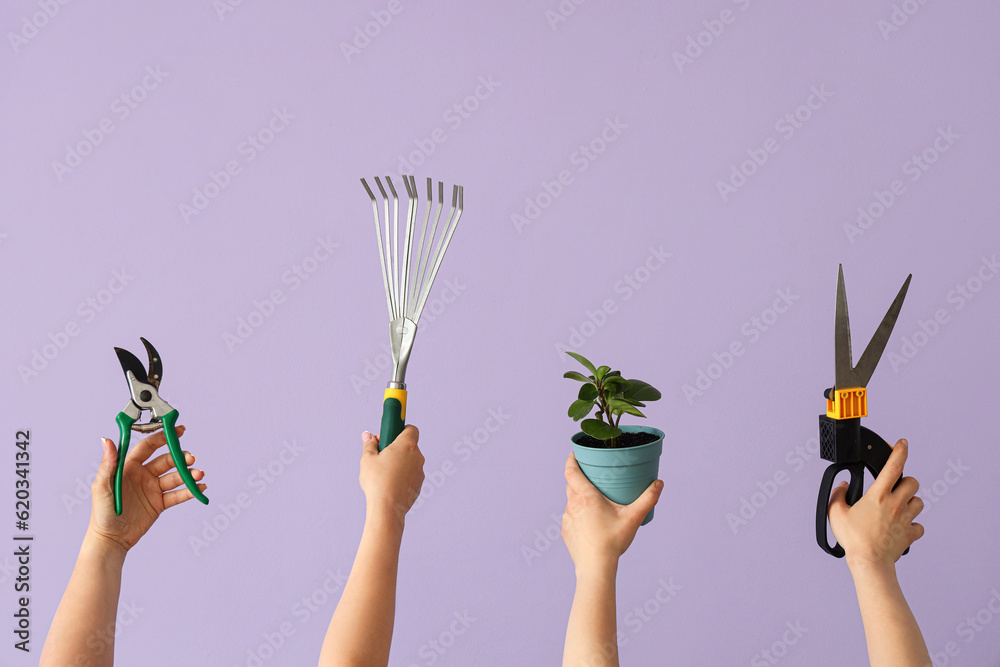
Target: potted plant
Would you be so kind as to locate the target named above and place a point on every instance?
(619, 460)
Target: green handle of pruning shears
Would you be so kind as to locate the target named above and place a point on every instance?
(393, 417)
(124, 435)
(173, 443)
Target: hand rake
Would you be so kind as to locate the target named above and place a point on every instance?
(408, 278)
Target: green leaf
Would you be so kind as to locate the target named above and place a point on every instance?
(632, 401)
(598, 429)
(613, 373)
(642, 391)
(618, 407)
(583, 360)
(573, 375)
(601, 372)
(588, 392)
(580, 409)
(616, 385)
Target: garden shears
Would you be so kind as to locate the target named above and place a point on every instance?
(843, 440)
(145, 396)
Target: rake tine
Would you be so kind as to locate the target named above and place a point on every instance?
(428, 260)
(378, 234)
(415, 286)
(394, 248)
(453, 217)
(387, 249)
(411, 214)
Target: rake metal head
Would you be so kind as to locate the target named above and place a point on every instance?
(409, 275)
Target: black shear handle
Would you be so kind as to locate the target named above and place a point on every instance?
(875, 453)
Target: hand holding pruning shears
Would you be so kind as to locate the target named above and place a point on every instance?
(148, 487)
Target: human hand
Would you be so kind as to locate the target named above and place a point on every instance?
(147, 490)
(877, 529)
(597, 531)
(391, 479)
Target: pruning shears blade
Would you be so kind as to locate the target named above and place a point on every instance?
(870, 358)
(155, 365)
(130, 363)
(843, 365)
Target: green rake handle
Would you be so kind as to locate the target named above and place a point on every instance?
(393, 417)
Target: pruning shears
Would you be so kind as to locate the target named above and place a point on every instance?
(843, 440)
(145, 396)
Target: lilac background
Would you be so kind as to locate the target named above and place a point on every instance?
(468, 547)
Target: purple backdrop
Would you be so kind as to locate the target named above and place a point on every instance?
(650, 185)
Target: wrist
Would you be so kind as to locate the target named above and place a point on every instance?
(599, 568)
(103, 548)
(385, 516)
(867, 570)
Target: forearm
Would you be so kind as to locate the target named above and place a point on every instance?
(894, 638)
(592, 632)
(360, 632)
(84, 622)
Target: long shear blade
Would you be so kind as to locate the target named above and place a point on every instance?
(843, 364)
(870, 357)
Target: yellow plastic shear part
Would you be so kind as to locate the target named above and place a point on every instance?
(848, 403)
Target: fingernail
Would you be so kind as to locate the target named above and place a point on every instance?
(659, 485)
(903, 440)
(366, 436)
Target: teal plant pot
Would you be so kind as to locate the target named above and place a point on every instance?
(621, 474)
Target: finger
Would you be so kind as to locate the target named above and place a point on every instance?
(179, 496)
(408, 437)
(369, 444)
(916, 532)
(142, 451)
(838, 503)
(641, 506)
(173, 480)
(908, 487)
(574, 475)
(914, 507)
(165, 462)
(893, 470)
(109, 461)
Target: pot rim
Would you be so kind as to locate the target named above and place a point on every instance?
(628, 428)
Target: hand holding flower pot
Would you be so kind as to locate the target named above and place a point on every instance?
(621, 461)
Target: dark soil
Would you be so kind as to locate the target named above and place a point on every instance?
(624, 440)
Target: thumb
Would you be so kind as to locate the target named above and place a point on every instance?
(109, 461)
(838, 503)
(892, 470)
(369, 444)
(647, 500)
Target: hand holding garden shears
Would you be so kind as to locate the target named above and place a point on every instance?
(843, 440)
(145, 396)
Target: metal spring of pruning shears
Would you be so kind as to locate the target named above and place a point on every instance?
(408, 279)
(843, 440)
(145, 396)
